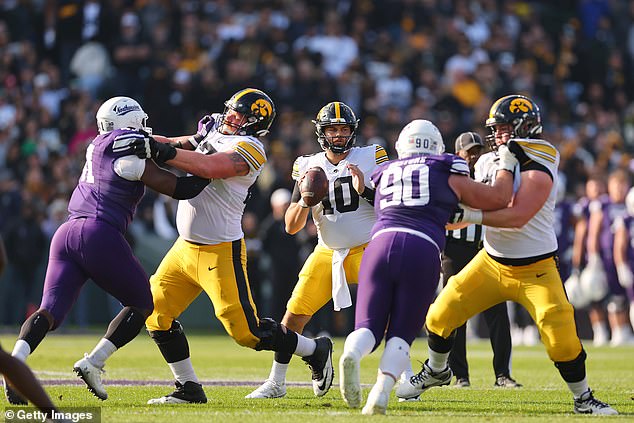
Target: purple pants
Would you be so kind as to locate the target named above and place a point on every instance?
(397, 282)
(88, 248)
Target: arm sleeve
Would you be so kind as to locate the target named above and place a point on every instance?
(189, 186)
(129, 167)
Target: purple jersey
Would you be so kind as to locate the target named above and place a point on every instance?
(628, 221)
(414, 193)
(564, 228)
(611, 212)
(101, 193)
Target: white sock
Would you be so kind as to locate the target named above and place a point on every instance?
(21, 350)
(599, 331)
(578, 388)
(359, 343)
(305, 346)
(183, 371)
(384, 382)
(102, 351)
(437, 361)
(278, 372)
(395, 357)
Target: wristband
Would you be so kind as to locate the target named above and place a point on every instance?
(303, 204)
(195, 140)
(472, 216)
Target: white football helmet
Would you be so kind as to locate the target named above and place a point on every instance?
(575, 294)
(419, 137)
(121, 112)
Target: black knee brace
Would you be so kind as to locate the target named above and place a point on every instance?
(575, 370)
(172, 343)
(275, 337)
(440, 344)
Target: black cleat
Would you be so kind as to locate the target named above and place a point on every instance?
(188, 393)
(320, 363)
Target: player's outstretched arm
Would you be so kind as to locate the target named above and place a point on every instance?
(482, 196)
(165, 182)
(528, 200)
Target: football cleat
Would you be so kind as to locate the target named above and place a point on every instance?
(320, 364)
(588, 404)
(462, 382)
(269, 389)
(91, 375)
(350, 382)
(422, 381)
(187, 393)
(503, 381)
(377, 402)
(12, 395)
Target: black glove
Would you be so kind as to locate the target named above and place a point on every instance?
(149, 148)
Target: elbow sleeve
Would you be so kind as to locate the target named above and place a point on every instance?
(189, 186)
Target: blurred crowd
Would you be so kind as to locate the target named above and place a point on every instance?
(390, 60)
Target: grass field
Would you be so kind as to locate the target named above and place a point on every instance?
(229, 372)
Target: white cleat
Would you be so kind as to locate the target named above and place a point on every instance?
(269, 389)
(377, 402)
(350, 383)
(91, 375)
(588, 404)
(422, 381)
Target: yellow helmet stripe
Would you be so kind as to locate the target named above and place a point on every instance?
(244, 92)
(337, 110)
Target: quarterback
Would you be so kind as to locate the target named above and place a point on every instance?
(517, 263)
(344, 220)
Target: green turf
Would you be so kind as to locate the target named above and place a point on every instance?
(544, 397)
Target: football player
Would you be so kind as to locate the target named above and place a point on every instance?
(344, 219)
(624, 251)
(415, 197)
(517, 263)
(603, 214)
(91, 243)
(210, 253)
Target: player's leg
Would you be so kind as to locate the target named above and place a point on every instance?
(311, 292)
(546, 301)
(497, 320)
(173, 290)
(372, 312)
(413, 274)
(63, 281)
(114, 268)
(474, 289)
(23, 379)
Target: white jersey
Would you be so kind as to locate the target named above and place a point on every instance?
(538, 236)
(343, 219)
(215, 215)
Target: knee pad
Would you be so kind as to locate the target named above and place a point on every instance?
(438, 343)
(161, 336)
(274, 337)
(617, 304)
(574, 370)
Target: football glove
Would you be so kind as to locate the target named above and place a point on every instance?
(507, 161)
(466, 215)
(148, 148)
(205, 125)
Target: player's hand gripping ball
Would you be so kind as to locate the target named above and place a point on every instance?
(314, 186)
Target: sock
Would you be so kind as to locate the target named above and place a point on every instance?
(278, 372)
(305, 346)
(384, 382)
(578, 388)
(395, 357)
(183, 371)
(361, 342)
(102, 351)
(21, 350)
(437, 361)
(599, 331)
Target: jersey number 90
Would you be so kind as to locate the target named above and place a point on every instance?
(408, 185)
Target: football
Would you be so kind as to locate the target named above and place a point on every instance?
(313, 186)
